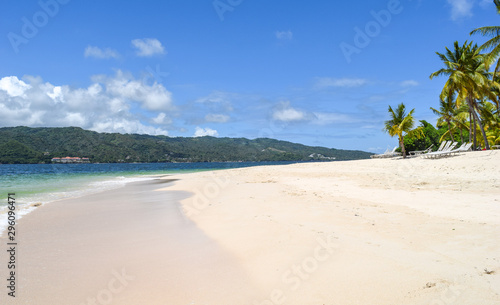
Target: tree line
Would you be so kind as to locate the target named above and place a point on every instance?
(40, 145)
(470, 99)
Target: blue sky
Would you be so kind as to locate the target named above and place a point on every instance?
(319, 73)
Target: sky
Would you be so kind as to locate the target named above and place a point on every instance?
(320, 73)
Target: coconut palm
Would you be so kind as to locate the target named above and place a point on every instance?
(491, 121)
(468, 77)
(401, 124)
(492, 44)
(461, 120)
(446, 113)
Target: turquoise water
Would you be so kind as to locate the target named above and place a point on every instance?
(44, 183)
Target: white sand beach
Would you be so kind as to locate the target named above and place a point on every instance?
(373, 232)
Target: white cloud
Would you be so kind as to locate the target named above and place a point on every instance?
(162, 119)
(153, 97)
(461, 8)
(13, 86)
(409, 83)
(105, 106)
(326, 82)
(284, 35)
(201, 132)
(97, 52)
(216, 118)
(285, 113)
(148, 47)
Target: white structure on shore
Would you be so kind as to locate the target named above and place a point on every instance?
(71, 160)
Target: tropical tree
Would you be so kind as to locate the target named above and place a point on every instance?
(430, 138)
(468, 77)
(461, 121)
(491, 121)
(493, 43)
(446, 113)
(402, 124)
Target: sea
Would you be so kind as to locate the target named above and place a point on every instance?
(42, 184)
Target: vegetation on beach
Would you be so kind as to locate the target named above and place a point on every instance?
(402, 124)
(469, 103)
(40, 145)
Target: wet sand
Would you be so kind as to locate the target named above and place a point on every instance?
(132, 245)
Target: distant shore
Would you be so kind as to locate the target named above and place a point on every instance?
(359, 232)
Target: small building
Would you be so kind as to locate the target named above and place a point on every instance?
(70, 160)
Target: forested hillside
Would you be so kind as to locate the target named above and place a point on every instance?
(40, 145)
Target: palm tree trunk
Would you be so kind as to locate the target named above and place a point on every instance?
(402, 144)
(449, 131)
(470, 128)
(476, 117)
(481, 127)
(474, 131)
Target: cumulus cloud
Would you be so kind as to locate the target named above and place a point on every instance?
(162, 119)
(148, 47)
(97, 52)
(151, 97)
(201, 132)
(105, 105)
(327, 82)
(461, 8)
(13, 86)
(284, 35)
(286, 113)
(216, 118)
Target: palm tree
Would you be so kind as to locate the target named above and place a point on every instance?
(468, 77)
(446, 113)
(493, 43)
(402, 124)
(491, 122)
(460, 118)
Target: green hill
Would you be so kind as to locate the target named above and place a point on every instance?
(40, 145)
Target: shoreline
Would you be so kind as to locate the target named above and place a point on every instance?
(128, 246)
(360, 232)
(92, 185)
(35, 192)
